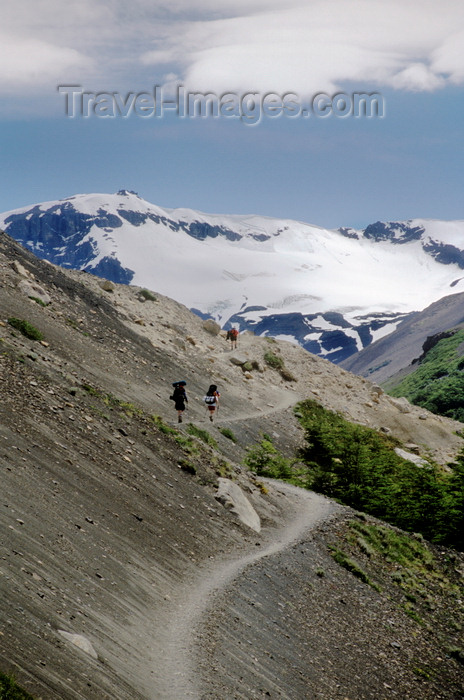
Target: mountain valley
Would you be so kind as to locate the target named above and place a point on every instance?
(126, 574)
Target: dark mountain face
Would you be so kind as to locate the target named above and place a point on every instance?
(445, 254)
(58, 235)
(398, 232)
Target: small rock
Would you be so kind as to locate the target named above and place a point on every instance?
(412, 447)
(411, 457)
(238, 360)
(402, 404)
(232, 497)
(80, 642)
(211, 326)
(107, 285)
(31, 289)
(20, 269)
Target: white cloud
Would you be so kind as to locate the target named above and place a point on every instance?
(31, 62)
(417, 77)
(306, 47)
(448, 59)
(320, 45)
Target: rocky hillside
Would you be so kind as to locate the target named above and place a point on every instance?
(121, 527)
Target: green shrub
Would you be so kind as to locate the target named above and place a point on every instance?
(437, 383)
(273, 360)
(162, 427)
(187, 444)
(353, 567)
(287, 375)
(227, 432)
(91, 390)
(277, 363)
(359, 467)
(265, 460)
(9, 690)
(395, 546)
(223, 469)
(25, 328)
(201, 434)
(146, 294)
(38, 301)
(187, 466)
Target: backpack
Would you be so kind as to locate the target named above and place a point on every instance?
(210, 400)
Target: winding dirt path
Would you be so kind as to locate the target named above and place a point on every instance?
(288, 399)
(178, 677)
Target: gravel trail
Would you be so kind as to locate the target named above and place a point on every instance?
(178, 677)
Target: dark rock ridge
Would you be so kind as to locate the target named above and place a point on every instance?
(445, 253)
(57, 235)
(398, 232)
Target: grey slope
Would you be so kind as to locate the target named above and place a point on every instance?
(395, 352)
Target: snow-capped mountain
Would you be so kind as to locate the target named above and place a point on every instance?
(334, 292)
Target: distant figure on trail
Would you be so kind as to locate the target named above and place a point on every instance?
(179, 396)
(232, 335)
(212, 400)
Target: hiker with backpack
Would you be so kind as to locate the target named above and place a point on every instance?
(232, 335)
(179, 396)
(212, 400)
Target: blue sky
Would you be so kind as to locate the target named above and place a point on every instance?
(330, 171)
